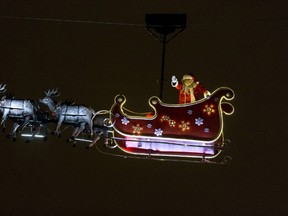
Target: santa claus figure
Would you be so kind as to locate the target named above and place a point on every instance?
(189, 89)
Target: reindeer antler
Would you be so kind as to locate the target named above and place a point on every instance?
(2, 88)
(52, 93)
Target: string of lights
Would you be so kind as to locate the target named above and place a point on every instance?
(70, 21)
(278, 20)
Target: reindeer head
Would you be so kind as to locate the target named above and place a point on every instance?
(49, 95)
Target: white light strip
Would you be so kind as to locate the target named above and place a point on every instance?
(30, 135)
(83, 140)
(171, 148)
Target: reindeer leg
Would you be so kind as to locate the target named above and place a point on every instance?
(57, 131)
(4, 118)
(80, 129)
(91, 128)
(34, 122)
(96, 138)
(45, 128)
(13, 131)
(37, 130)
(25, 123)
(72, 138)
(105, 133)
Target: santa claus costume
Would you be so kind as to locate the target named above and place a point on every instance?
(189, 89)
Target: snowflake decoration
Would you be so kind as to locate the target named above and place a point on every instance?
(125, 121)
(137, 129)
(165, 118)
(199, 121)
(117, 115)
(209, 109)
(158, 132)
(172, 123)
(149, 125)
(184, 125)
(189, 112)
(206, 130)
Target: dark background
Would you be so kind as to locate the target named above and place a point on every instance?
(107, 51)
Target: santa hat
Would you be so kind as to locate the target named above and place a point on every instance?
(189, 76)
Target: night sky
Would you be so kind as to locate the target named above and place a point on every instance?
(94, 50)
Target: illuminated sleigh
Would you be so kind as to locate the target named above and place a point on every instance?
(182, 131)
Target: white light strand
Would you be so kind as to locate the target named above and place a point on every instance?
(71, 21)
(142, 25)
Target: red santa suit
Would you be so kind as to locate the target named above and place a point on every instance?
(191, 93)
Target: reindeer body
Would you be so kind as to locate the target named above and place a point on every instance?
(17, 108)
(102, 125)
(72, 114)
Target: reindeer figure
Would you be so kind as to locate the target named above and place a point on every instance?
(17, 108)
(72, 114)
(102, 125)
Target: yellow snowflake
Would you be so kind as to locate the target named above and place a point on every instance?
(184, 125)
(137, 129)
(165, 118)
(209, 109)
(172, 123)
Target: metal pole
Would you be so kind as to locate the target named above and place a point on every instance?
(162, 67)
(163, 25)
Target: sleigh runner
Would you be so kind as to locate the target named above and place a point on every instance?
(192, 130)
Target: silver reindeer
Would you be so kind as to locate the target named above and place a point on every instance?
(102, 125)
(17, 109)
(72, 114)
